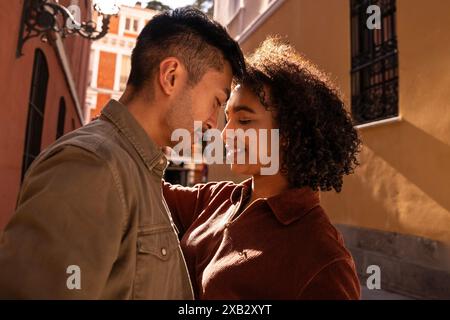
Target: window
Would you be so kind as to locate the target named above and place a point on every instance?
(61, 118)
(36, 108)
(374, 72)
(132, 25)
(124, 72)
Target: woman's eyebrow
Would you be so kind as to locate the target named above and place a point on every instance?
(242, 108)
(238, 108)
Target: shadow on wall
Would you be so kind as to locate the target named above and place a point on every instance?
(418, 156)
(401, 185)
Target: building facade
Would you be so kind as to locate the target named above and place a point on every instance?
(394, 211)
(43, 92)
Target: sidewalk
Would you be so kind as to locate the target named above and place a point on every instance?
(367, 294)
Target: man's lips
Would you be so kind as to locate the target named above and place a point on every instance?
(198, 134)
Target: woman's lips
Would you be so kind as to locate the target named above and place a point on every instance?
(235, 151)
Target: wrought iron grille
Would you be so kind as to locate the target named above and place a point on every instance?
(374, 73)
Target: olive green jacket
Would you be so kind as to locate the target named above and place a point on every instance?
(91, 221)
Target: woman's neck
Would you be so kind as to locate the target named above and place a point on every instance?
(268, 186)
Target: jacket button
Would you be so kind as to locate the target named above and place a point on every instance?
(163, 251)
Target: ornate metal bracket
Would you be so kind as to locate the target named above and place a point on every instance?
(39, 17)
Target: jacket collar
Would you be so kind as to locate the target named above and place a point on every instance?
(151, 154)
(287, 207)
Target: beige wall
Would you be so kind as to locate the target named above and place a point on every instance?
(403, 183)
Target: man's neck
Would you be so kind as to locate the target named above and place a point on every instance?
(148, 118)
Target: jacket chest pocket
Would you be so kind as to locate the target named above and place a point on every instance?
(160, 242)
(160, 269)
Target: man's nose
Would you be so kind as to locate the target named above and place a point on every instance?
(211, 123)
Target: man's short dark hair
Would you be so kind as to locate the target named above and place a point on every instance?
(190, 35)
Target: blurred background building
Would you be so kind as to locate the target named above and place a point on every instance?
(395, 211)
(110, 61)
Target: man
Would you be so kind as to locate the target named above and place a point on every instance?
(91, 222)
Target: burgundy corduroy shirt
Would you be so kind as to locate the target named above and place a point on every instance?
(283, 247)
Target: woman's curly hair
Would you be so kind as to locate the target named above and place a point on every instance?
(319, 144)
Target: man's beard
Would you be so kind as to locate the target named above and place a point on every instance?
(180, 115)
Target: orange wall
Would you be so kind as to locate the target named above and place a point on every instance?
(106, 70)
(403, 183)
(102, 99)
(15, 76)
(131, 35)
(114, 25)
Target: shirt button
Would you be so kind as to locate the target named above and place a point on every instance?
(161, 161)
(163, 251)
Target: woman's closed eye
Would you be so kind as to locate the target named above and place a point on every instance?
(244, 121)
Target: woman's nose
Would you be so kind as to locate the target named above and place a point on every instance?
(224, 132)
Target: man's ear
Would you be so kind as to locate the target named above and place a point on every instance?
(169, 74)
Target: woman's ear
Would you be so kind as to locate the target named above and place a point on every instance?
(169, 70)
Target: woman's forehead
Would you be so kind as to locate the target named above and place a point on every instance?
(242, 92)
(244, 99)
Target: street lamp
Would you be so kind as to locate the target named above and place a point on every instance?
(42, 16)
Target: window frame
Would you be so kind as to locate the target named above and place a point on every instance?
(36, 110)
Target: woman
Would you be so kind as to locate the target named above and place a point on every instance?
(268, 237)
